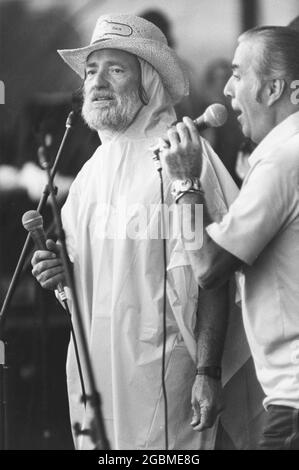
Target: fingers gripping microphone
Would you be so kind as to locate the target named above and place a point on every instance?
(214, 116)
(33, 222)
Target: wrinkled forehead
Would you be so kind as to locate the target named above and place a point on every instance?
(248, 54)
(113, 55)
(240, 55)
(239, 62)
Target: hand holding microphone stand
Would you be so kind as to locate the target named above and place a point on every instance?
(97, 429)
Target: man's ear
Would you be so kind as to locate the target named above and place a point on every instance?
(275, 90)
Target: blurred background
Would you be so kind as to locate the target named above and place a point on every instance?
(39, 93)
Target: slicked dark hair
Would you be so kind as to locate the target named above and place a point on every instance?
(279, 57)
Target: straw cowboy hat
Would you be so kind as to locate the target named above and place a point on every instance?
(140, 37)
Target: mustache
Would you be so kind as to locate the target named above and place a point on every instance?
(95, 95)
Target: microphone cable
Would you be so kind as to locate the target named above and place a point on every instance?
(156, 159)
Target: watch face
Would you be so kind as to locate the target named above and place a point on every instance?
(179, 186)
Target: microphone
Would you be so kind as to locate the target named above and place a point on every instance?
(214, 116)
(33, 222)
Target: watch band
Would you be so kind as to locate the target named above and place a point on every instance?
(211, 371)
(181, 194)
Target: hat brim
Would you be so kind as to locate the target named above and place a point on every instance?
(160, 56)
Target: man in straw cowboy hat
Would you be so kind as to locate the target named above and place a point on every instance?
(131, 81)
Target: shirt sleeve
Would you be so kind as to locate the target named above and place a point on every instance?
(263, 206)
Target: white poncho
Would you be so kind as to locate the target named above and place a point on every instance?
(120, 286)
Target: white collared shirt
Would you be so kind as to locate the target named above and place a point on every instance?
(262, 229)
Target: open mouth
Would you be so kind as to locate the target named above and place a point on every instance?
(101, 98)
(238, 113)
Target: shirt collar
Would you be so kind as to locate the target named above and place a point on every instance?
(280, 133)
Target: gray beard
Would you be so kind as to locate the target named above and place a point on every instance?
(117, 116)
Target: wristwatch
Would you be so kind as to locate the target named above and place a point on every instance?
(182, 186)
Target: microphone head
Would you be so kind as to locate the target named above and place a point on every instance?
(71, 119)
(32, 220)
(215, 115)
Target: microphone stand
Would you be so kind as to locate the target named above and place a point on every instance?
(97, 429)
(11, 289)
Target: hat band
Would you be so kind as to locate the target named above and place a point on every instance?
(114, 29)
